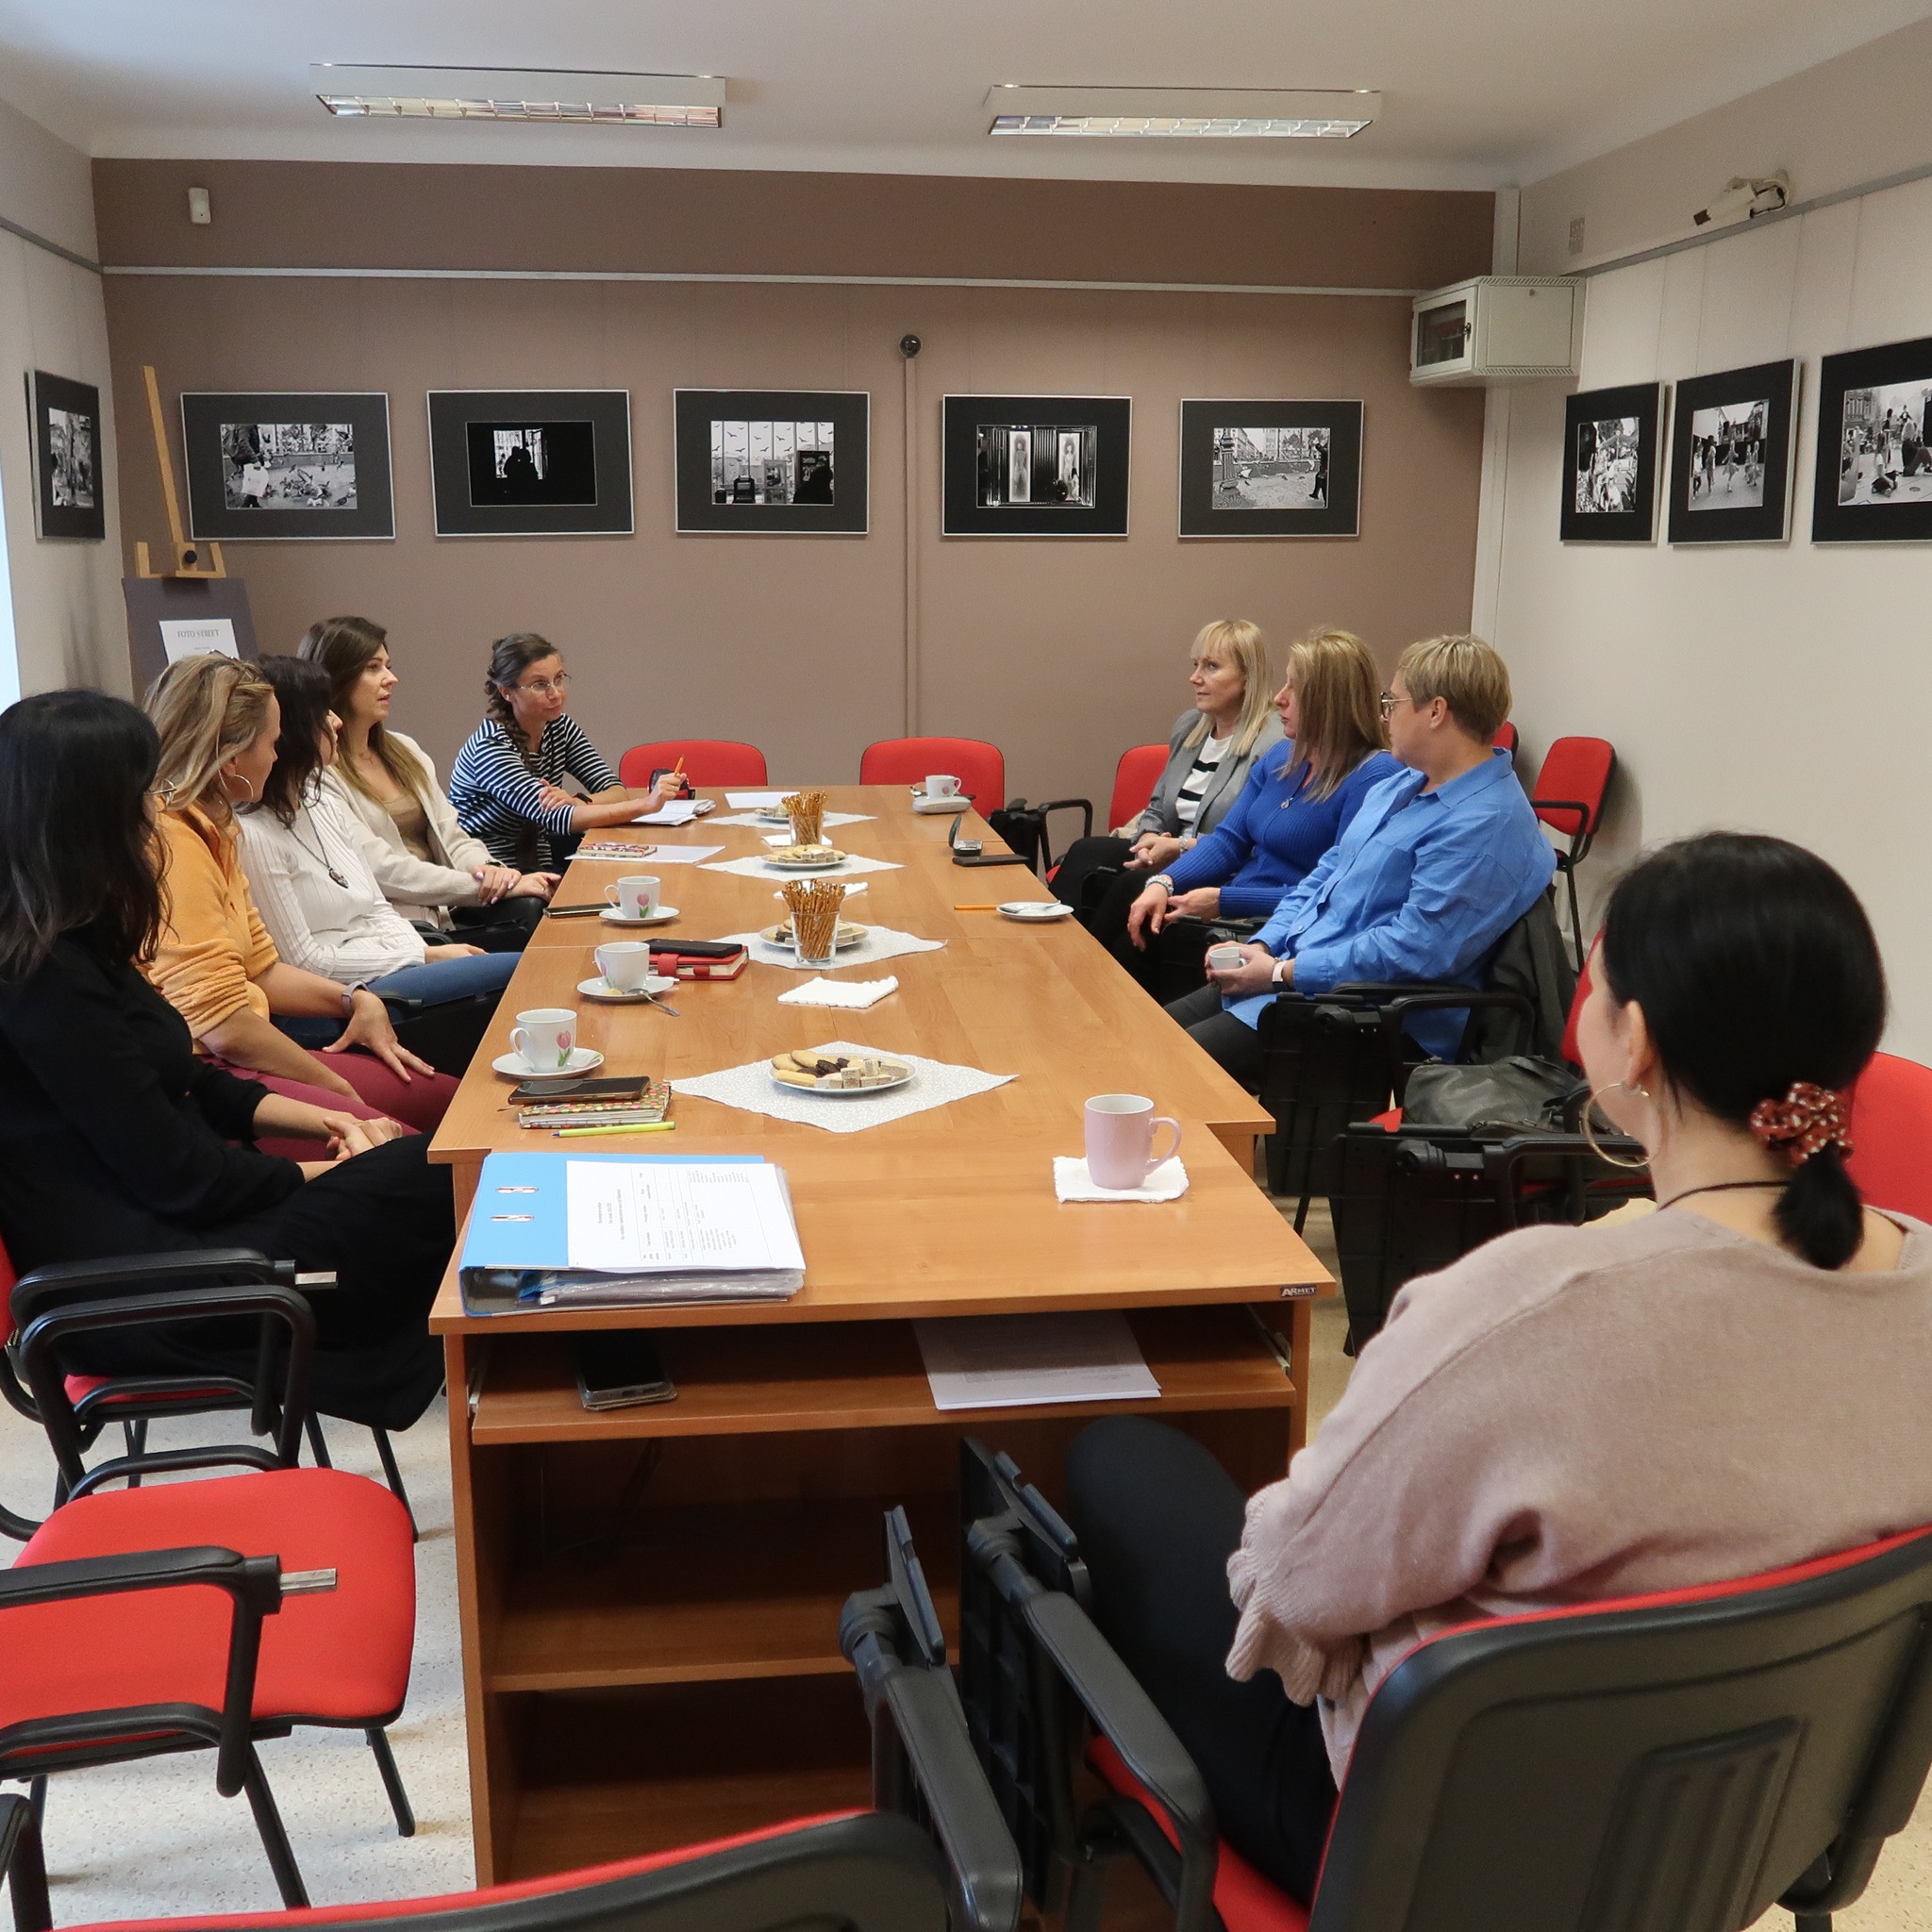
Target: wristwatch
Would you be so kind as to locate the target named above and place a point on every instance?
(1280, 967)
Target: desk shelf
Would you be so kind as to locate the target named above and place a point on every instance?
(846, 1375)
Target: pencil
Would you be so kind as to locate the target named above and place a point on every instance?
(641, 1127)
(975, 908)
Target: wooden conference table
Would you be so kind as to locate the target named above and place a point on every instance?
(650, 1597)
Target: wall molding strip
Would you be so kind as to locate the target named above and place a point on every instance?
(26, 234)
(616, 274)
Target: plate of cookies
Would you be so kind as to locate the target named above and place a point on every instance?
(806, 1072)
(806, 858)
(780, 935)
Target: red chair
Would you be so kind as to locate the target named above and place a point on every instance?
(932, 1856)
(707, 761)
(1684, 1758)
(979, 766)
(1505, 737)
(134, 1401)
(1568, 796)
(1134, 779)
(100, 1671)
(1891, 1135)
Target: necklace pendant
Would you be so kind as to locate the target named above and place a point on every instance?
(338, 877)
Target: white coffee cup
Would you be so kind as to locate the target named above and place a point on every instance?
(545, 1037)
(625, 964)
(1224, 959)
(635, 898)
(1120, 1139)
(941, 785)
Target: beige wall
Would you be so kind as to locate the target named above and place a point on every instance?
(1771, 688)
(1061, 651)
(67, 620)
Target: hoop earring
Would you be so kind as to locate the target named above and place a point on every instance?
(247, 790)
(1589, 1134)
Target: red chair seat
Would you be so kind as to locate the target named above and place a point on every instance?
(1247, 1901)
(339, 1658)
(468, 1901)
(80, 1387)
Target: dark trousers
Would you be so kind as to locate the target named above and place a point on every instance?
(504, 928)
(1157, 1519)
(1233, 1043)
(1084, 857)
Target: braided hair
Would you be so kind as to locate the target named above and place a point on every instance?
(509, 657)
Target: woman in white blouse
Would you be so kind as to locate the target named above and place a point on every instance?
(440, 876)
(313, 867)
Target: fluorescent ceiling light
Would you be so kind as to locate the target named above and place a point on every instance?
(1189, 112)
(521, 93)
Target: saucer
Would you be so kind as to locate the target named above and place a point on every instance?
(613, 917)
(1036, 912)
(600, 988)
(582, 1059)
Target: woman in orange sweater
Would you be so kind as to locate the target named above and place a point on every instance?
(214, 961)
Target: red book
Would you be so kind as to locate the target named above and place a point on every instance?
(694, 966)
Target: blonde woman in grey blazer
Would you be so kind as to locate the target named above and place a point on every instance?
(1213, 744)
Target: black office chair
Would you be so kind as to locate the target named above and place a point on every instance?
(1684, 1760)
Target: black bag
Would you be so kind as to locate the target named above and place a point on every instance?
(1023, 828)
(1520, 1093)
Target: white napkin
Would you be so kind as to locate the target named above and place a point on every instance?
(840, 993)
(934, 1083)
(1071, 1182)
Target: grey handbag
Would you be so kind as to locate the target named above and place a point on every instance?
(1527, 1094)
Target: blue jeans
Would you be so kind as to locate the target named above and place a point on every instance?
(434, 983)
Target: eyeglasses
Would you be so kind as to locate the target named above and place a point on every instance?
(1389, 702)
(547, 687)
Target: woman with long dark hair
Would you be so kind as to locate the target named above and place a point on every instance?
(116, 1138)
(439, 876)
(311, 867)
(1732, 1383)
(508, 784)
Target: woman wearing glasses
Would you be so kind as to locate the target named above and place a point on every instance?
(508, 781)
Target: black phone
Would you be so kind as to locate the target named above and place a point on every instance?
(698, 949)
(580, 1087)
(577, 912)
(619, 1368)
(972, 851)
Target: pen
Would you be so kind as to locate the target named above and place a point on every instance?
(641, 1127)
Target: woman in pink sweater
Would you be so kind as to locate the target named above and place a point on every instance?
(1733, 1383)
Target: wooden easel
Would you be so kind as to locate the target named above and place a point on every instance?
(188, 556)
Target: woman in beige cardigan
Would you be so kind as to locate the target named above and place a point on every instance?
(1567, 1415)
(441, 876)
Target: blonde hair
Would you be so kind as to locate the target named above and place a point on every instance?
(1467, 674)
(1237, 639)
(206, 709)
(1337, 702)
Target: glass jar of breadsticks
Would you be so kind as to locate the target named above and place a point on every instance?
(807, 810)
(814, 905)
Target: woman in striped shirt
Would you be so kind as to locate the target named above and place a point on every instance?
(506, 784)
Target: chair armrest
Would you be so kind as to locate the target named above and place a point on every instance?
(1502, 1160)
(45, 1288)
(23, 1866)
(1580, 807)
(1083, 805)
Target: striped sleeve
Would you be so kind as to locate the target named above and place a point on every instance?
(495, 794)
(581, 758)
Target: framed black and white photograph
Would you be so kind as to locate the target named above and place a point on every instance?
(1270, 468)
(1731, 446)
(69, 491)
(1875, 446)
(516, 462)
(1036, 466)
(784, 462)
(283, 464)
(1609, 465)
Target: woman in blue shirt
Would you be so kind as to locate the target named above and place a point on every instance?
(1297, 802)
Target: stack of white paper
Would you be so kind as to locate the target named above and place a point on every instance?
(1014, 1362)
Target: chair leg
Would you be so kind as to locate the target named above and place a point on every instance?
(19, 1527)
(1812, 1921)
(135, 1435)
(392, 1781)
(37, 1797)
(385, 1449)
(1301, 1213)
(1576, 918)
(274, 1840)
(317, 1446)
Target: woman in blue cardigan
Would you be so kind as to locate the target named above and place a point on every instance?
(1298, 799)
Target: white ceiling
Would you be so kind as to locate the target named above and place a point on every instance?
(1475, 92)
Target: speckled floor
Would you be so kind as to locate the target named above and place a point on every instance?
(155, 1838)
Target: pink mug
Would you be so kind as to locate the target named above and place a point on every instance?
(1120, 1140)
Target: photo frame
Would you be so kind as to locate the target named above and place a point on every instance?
(287, 465)
(1035, 466)
(530, 462)
(70, 489)
(780, 462)
(1731, 447)
(1270, 468)
(1609, 464)
(1873, 479)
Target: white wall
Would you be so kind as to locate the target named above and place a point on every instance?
(1784, 689)
(69, 622)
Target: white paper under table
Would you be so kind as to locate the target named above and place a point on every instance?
(1023, 1362)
